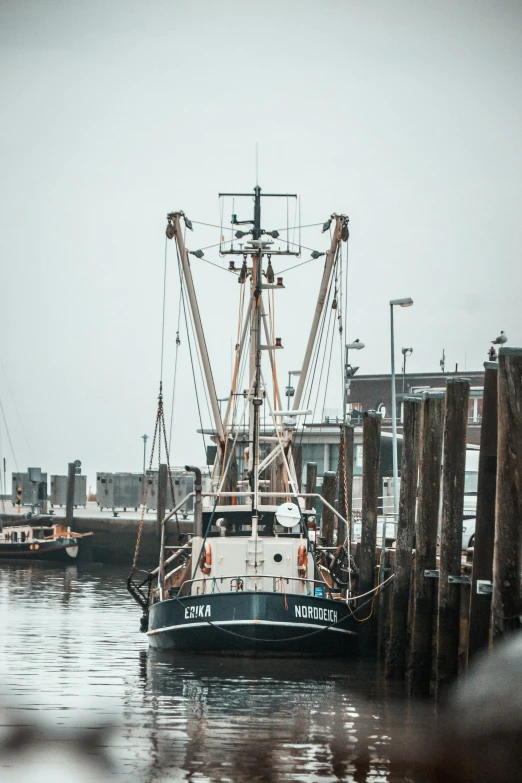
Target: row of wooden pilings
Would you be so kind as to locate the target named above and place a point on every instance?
(433, 618)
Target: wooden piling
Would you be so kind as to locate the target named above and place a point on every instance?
(367, 557)
(345, 477)
(328, 519)
(69, 501)
(311, 484)
(480, 606)
(453, 470)
(424, 588)
(398, 640)
(506, 605)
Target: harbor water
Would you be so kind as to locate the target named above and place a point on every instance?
(76, 669)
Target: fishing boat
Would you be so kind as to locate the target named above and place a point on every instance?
(39, 539)
(255, 577)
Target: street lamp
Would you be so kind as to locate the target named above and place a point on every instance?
(349, 372)
(405, 353)
(406, 302)
(144, 439)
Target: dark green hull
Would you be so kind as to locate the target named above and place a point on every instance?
(253, 623)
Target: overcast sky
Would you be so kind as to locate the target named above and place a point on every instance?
(404, 115)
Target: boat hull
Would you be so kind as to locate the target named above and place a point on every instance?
(252, 623)
(55, 551)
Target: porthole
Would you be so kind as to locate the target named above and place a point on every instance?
(278, 557)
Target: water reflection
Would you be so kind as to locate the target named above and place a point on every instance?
(73, 657)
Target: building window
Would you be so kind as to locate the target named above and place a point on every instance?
(475, 408)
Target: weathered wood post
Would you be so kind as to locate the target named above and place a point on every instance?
(311, 484)
(453, 469)
(328, 519)
(398, 640)
(69, 504)
(345, 481)
(506, 605)
(480, 603)
(367, 557)
(424, 588)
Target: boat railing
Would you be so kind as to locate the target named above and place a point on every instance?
(221, 494)
(238, 580)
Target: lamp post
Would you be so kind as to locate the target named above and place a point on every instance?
(405, 353)
(145, 439)
(406, 302)
(349, 372)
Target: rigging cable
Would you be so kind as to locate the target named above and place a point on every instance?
(190, 348)
(331, 323)
(178, 343)
(163, 311)
(329, 366)
(17, 413)
(315, 361)
(212, 225)
(8, 435)
(200, 366)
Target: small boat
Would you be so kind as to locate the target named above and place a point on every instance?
(39, 540)
(255, 578)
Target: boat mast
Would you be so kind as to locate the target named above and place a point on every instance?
(340, 221)
(255, 359)
(174, 219)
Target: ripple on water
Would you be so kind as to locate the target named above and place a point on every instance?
(73, 659)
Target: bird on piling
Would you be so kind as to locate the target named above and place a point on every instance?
(500, 340)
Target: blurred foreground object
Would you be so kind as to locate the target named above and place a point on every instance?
(35, 754)
(479, 736)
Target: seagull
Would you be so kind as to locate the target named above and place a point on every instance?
(357, 341)
(500, 340)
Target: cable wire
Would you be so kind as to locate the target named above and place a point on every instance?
(190, 348)
(8, 435)
(163, 310)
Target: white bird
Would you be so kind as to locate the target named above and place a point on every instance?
(500, 340)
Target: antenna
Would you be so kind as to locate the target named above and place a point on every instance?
(257, 163)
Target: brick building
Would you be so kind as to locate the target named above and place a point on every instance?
(373, 392)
